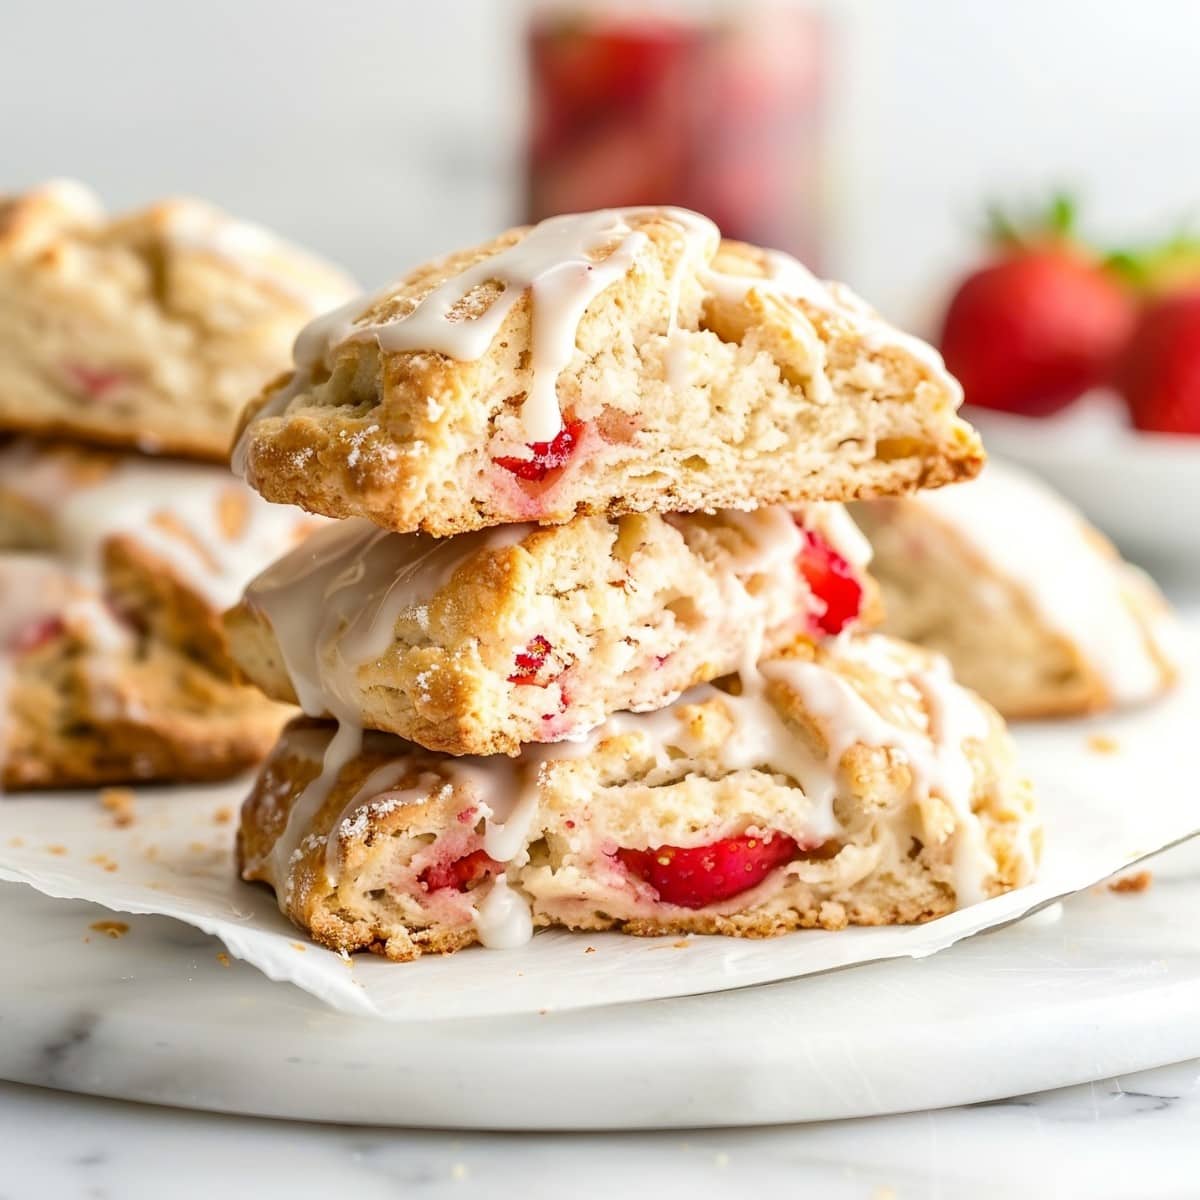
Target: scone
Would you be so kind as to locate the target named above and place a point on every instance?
(605, 363)
(1034, 607)
(857, 785)
(146, 330)
(479, 643)
(88, 696)
(175, 542)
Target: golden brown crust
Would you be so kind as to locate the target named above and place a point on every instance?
(79, 714)
(1070, 630)
(352, 872)
(177, 544)
(147, 330)
(785, 399)
(628, 613)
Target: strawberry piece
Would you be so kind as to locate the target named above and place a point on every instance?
(545, 456)
(35, 634)
(530, 661)
(94, 382)
(1159, 372)
(694, 877)
(832, 580)
(460, 873)
(1041, 324)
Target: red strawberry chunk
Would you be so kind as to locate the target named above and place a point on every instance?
(36, 633)
(94, 382)
(545, 457)
(832, 580)
(530, 661)
(460, 873)
(698, 876)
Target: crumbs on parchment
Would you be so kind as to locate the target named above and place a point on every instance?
(223, 815)
(1103, 743)
(1131, 883)
(121, 803)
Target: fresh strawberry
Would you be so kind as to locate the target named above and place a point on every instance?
(832, 581)
(694, 877)
(545, 457)
(1039, 325)
(1159, 371)
(530, 661)
(460, 873)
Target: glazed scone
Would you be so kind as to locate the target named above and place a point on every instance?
(856, 785)
(1034, 608)
(175, 542)
(482, 642)
(606, 363)
(146, 330)
(87, 697)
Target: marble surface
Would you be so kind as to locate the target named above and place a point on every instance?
(1107, 984)
(1118, 1139)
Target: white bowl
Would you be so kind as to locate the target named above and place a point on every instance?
(1142, 489)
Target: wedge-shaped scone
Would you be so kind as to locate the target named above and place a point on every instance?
(176, 542)
(479, 643)
(857, 785)
(604, 363)
(148, 330)
(1034, 607)
(88, 697)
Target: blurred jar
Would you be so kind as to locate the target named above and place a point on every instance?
(716, 106)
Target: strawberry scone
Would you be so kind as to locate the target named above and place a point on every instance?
(1033, 607)
(90, 695)
(604, 363)
(855, 783)
(146, 330)
(482, 642)
(177, 542)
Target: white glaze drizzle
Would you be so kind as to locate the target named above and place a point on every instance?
(333, 604)
(507, 790)
(555, 261)
(172, 509)
(1031, 536)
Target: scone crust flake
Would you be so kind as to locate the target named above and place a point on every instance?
(697, 381)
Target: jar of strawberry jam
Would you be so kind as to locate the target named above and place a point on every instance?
(713, 106)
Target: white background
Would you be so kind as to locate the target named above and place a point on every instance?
(383, 131)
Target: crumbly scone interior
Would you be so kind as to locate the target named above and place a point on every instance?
(702, 375)
(895, 788)
(114, 571)
(150, 329)
(490, 640)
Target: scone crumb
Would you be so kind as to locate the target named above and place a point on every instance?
(16, 842)
(112, 929)
(223, 958)
(103, 861)
(299, 947)
(56, 849)
(121, 803)
(590, 950)
(682, 944)
(1138, 882)
(1102, 743)
(223, 815)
